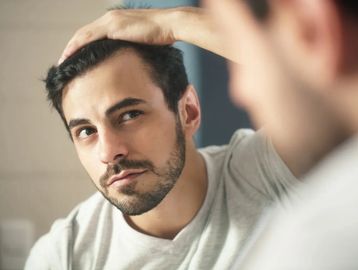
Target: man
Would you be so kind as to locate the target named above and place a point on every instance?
(164, 205)
(314, 44)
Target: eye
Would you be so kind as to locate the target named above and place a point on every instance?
(130, 115)
(84, 133)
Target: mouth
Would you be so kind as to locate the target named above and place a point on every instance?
(125, 176)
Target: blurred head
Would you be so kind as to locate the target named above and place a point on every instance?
(298, 62)
(130, 113)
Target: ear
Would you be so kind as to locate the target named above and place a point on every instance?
(189, 110)
(309, 34)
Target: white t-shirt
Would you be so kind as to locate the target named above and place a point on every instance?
(318, 229)
(244, 177)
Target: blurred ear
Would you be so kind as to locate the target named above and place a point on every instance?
(189, 110)
(309, 34)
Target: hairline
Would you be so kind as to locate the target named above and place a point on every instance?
(147, 67)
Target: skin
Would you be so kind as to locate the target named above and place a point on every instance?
(146, 132)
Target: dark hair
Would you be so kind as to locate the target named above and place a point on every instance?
(261, 8)
(165, 66)
(348, 7)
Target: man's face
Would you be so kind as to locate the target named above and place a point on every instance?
(129, 142)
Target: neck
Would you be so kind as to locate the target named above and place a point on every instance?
(180, 205)
(308, 129)
(345, 99)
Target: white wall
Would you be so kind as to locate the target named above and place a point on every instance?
(41, 178)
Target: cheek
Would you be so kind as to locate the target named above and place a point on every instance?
(155, 142)
(91, 163)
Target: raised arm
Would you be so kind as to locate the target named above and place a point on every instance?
(152, 26)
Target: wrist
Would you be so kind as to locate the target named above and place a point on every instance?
(181, 20)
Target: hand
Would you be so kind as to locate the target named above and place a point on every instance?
(151, 26)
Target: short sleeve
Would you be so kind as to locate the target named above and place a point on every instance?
(254, 162)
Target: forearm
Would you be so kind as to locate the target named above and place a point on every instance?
(154, 26)
(195, 26)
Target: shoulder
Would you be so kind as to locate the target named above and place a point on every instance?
(81, 214)
(52, 249)
(243, 134)
(240, 136)
(250, 140)
(235, 161)
(243, 142)
(250, 160)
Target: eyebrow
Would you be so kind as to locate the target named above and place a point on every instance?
(76, 122)
(123, 104)
(118, 106)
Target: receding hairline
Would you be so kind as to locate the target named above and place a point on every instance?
(116, 53)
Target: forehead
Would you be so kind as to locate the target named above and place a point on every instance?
(124, 75)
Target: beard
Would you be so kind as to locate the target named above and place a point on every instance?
(134, 202)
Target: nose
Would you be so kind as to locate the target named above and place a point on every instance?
(111, 146)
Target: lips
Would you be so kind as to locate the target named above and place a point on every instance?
(125, 175)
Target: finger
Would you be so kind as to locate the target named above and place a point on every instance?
(81, 38)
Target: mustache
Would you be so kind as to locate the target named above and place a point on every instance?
(125, 164)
